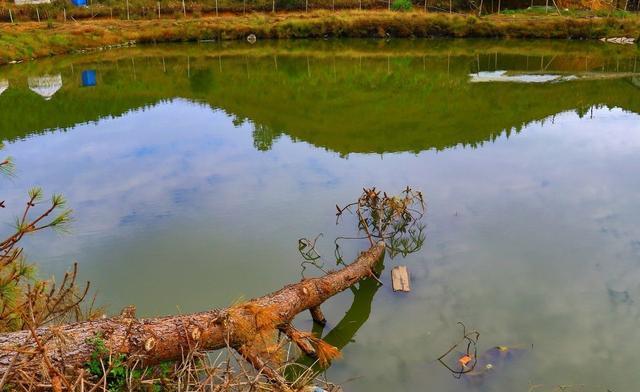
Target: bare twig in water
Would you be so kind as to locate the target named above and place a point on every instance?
(471, 352)
(310, 255)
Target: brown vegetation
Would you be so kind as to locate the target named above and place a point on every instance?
(62, 10)
(31, 40)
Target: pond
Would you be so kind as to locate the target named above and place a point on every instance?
(194, 169)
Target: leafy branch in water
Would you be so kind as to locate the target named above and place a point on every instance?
(395, 220)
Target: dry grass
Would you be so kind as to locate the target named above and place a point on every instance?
(222, 371)
(32, 40)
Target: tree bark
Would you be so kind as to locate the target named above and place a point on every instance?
(154, 340)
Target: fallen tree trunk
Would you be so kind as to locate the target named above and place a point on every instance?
(61, 349)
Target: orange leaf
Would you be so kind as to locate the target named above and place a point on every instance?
(464, 360)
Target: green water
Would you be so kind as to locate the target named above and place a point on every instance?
(194, 169)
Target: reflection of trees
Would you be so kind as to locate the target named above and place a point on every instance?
(264, 136)
(201, 81)
(346, 104)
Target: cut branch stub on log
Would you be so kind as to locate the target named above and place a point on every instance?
(317, 315)
(161, 339)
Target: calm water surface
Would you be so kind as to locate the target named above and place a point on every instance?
(193, 170)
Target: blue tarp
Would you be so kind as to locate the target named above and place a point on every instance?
(79, 3)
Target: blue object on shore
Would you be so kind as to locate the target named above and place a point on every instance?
(79, 3)
(89, 78)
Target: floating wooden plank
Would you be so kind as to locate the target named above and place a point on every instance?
(400, 278)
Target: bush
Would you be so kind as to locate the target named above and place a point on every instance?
(401, 5)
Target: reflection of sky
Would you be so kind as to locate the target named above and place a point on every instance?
(503, 76)
(174, 206)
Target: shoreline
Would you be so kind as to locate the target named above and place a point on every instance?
(31, 40)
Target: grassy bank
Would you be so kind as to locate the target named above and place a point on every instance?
(32, 40)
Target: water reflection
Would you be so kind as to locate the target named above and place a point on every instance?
(193, 170)
(89, 78)
(420, 96)
(45, 86)
(504, 76)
